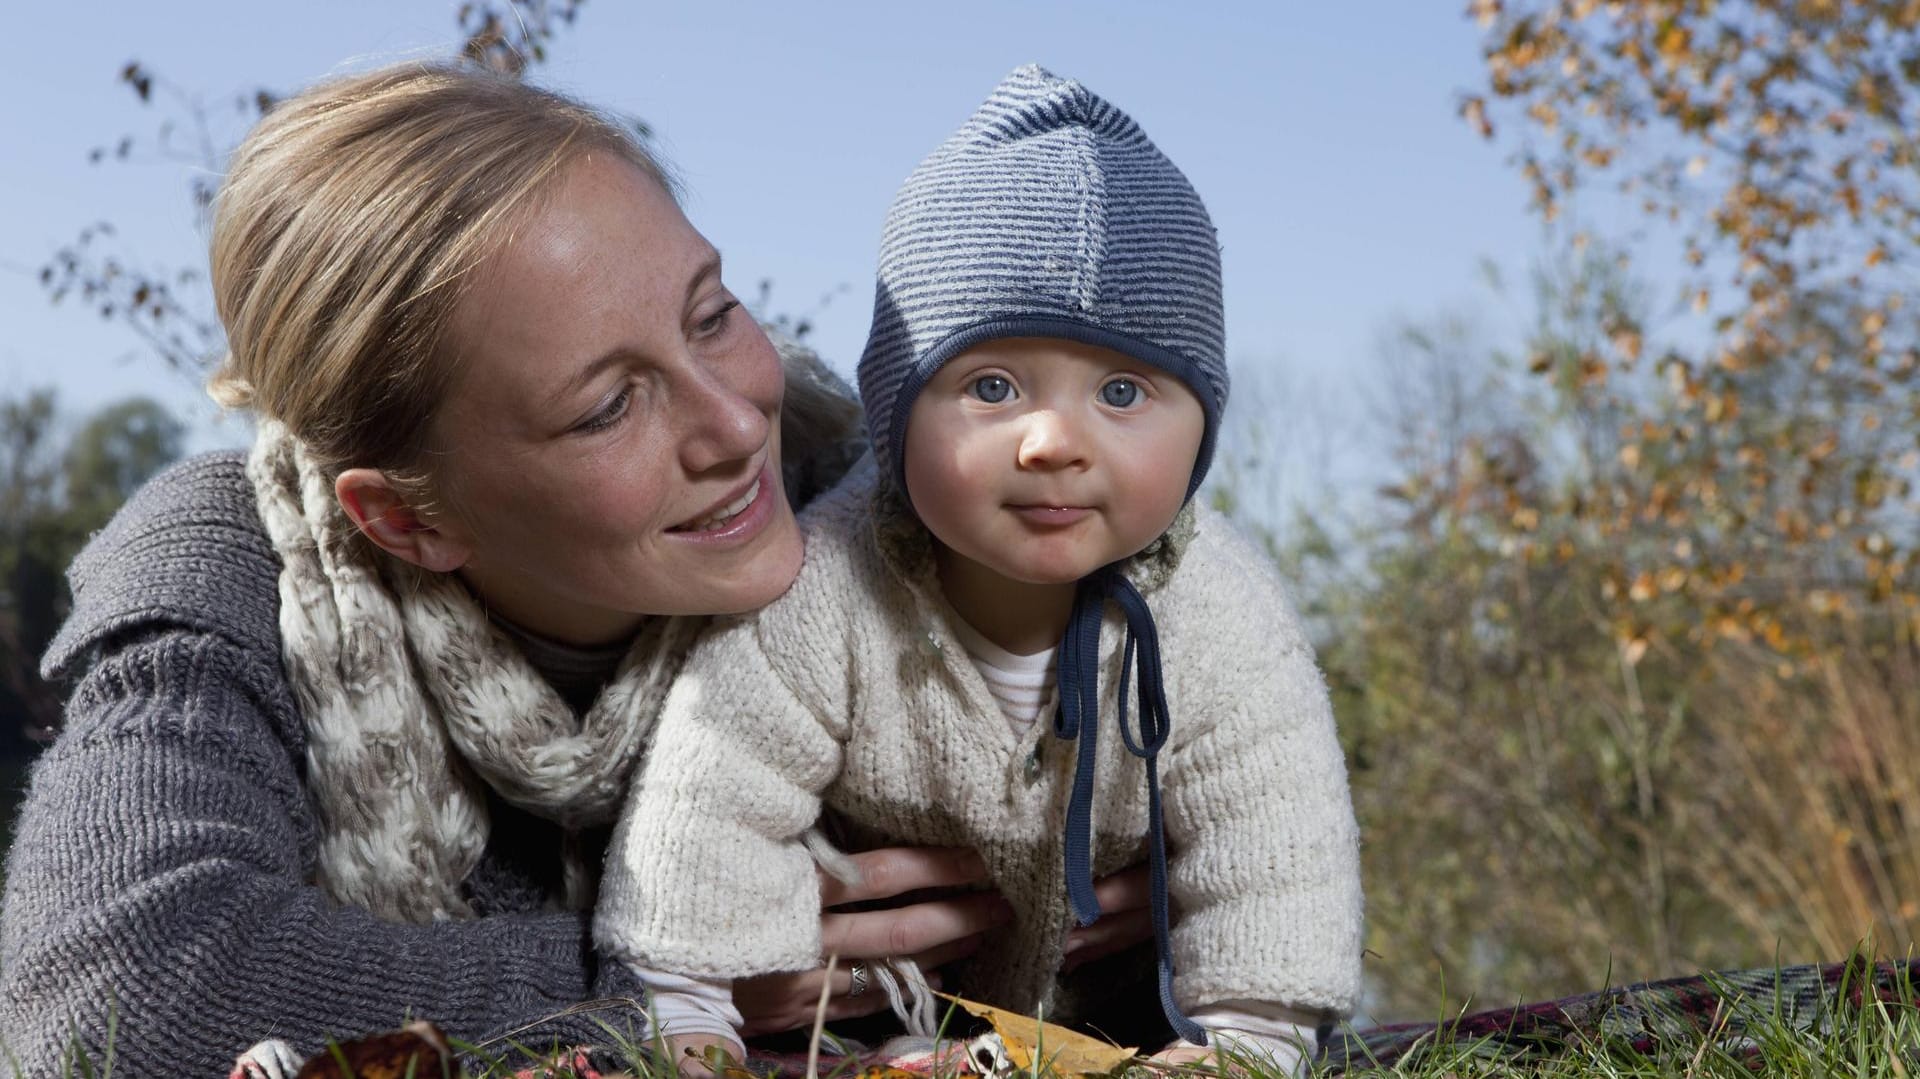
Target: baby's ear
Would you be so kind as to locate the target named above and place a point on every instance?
(383, 514)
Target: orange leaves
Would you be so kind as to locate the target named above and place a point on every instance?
(1675, 43)
(1474, 110)
(1627, 342)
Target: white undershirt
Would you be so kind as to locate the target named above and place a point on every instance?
(1258, 1028)
(682, 1005)
(1020, 685)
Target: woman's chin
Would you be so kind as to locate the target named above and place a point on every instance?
(764, 578)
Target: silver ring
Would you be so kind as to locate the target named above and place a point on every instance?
(858, 972)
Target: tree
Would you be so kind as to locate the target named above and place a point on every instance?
(1782, 139)
(1572, 761)
(1644, 605)
(55, 493)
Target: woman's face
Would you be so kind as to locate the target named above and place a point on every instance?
(610, 447)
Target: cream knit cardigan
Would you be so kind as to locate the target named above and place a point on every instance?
(852, 690)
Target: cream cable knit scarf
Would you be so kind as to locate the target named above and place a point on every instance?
(415, 704)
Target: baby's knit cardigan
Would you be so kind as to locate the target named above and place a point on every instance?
(853, 691)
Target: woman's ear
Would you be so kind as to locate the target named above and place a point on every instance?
(383, 515)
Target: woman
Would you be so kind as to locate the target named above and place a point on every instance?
(349, 714)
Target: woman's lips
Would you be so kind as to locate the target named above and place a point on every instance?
(1051, 516)
(741, 517)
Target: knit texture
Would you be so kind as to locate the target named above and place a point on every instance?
(853, 692)
(161, 876)
(1049, 213)
(416, 704)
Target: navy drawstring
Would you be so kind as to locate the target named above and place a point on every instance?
(1078, 717)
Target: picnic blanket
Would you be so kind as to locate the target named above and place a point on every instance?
(1675, 1015)
(1651, 1018)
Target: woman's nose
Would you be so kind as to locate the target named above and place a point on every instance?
(722, 424)
(1049, 441)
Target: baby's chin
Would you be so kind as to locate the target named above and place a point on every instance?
(1048, 573)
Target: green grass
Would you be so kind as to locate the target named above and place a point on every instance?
(1878, 1038)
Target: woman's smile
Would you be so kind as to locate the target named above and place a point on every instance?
(738, 519)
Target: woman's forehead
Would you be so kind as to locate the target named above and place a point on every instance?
(606, 262)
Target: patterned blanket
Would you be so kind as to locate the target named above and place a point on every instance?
(1674, 1016)
(1651, 1018)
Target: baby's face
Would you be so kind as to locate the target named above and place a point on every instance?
(1043, 459)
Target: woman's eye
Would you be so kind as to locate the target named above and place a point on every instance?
(991, 388)
(611, 414)
(1121, 393)
(717, 321)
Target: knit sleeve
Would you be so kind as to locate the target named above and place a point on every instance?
(707, 874)
(1265, 864)
(157, 895)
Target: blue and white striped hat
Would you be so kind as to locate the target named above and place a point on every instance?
(1049, 213)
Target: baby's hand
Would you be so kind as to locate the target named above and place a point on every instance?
(703, 1056)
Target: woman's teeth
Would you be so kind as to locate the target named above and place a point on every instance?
(727, 512)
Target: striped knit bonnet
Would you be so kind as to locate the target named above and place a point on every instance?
(1049, 213)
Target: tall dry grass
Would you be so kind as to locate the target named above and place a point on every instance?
(1812, 820)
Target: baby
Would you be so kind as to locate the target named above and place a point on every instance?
(1043, 387)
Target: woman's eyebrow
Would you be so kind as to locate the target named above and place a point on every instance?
(586, 375)
(709, 269)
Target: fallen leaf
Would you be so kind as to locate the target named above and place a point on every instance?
(1066, 1052)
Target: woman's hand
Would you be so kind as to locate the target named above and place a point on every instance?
(931, 933)
(1126, 917)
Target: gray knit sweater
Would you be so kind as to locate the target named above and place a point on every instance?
(158, 875)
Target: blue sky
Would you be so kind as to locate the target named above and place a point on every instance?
(1323, 137)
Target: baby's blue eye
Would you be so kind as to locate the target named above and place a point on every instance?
(1121, 393)
(991, 388)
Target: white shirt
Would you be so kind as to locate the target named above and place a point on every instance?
(1020, 685)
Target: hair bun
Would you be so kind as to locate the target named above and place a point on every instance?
(228, 389)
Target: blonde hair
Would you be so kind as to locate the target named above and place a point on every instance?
(345, 231)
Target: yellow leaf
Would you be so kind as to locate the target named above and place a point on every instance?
(1674, 42)
(1065, 1051)
(1474, 109)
